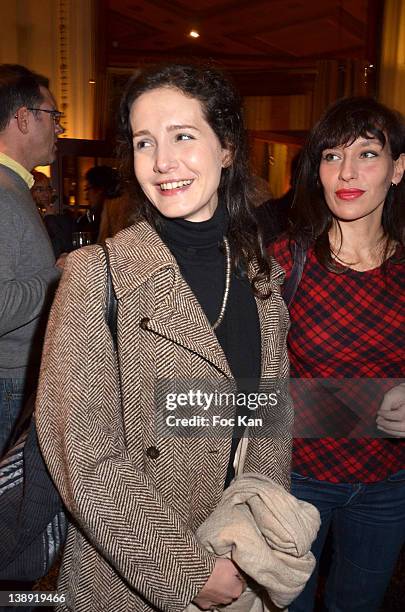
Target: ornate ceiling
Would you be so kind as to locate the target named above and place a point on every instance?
(271, 46)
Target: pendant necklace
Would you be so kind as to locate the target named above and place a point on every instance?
(227, 284)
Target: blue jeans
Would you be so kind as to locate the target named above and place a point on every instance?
(11, 402)
(367, 524)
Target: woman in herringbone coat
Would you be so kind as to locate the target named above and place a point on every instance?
(197, 300)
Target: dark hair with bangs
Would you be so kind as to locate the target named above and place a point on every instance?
(342, 123)
(18, 87)
(221, 106)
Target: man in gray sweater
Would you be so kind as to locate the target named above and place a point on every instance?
(29, 127)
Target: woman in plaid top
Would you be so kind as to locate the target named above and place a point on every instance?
(348, 322)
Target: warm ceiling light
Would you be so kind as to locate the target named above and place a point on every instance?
(194, 34)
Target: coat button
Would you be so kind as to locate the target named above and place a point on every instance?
(153, 452)
(144, 323)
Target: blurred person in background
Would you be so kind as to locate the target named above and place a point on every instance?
(102, 183)
(273, 215)
(59, 227)
(43, 193)
(117, 214)
(29, 128)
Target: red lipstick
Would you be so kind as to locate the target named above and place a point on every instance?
(349, 194)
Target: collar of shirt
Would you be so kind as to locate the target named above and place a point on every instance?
(5, 160)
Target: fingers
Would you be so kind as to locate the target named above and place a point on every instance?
(393, 399)
(391, 415)
(392, 431)
(394, 413)
(60, 262)
(392, 423)
(225, 585)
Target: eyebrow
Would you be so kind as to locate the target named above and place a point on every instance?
(171, 128)
(140, 133)
(182, 127)
(367, 141)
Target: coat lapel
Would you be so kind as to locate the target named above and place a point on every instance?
(181, 319)
(139, 256)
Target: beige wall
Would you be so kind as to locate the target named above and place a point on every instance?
(27, 35)
(392, 64)
(278, 112)
(54, 37)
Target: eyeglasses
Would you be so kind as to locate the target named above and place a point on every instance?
(55, 114)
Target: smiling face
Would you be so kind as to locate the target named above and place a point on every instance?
(178, 158)
(356, 178)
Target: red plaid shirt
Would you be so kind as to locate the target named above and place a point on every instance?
(346, 326)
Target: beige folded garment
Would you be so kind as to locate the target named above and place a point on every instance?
(268, 533)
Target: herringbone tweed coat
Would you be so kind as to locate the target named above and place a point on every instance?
(135, 499)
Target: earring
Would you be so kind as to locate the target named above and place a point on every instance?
(393, 185)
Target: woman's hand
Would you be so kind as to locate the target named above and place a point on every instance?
(61, 261)
(391, 415)
(223, 586)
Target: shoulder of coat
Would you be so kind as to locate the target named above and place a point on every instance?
(277, 272)
(276, 279)
(137, 254)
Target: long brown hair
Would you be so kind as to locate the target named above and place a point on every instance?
(221, 106)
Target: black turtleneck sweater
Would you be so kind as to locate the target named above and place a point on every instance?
(197, 248)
